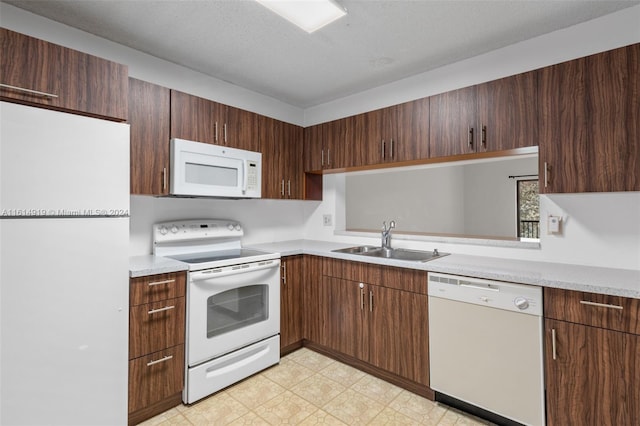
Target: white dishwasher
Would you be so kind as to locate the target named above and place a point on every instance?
(485, 346)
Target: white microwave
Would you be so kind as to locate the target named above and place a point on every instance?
(205, 170)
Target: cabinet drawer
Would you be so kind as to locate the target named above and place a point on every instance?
(155, 377)
(153, 288)
(598, 310)
(156, 326)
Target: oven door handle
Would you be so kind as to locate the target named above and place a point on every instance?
(233, 270)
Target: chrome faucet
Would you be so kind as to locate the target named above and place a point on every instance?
(386, 235)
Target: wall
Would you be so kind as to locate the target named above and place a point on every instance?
(597, 230)
(263, 220)
(587, 239)
(419, 200)
(490, 196)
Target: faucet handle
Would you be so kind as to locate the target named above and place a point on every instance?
(392, 224)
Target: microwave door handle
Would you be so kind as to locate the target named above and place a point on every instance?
(245, 177)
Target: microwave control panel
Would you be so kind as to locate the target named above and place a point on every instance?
(252, 176)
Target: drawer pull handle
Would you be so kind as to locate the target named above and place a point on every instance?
(600, 305)
(553, 343)
(158, 361)
(161, 282)
(155, 311)
(33, 92)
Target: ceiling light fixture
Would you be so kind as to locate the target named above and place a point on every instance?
(310, 15)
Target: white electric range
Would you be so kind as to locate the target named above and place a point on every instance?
(233, 302)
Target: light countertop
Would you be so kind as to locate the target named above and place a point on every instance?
(140, 266)
(617, 282)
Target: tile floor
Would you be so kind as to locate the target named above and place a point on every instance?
(307, 388)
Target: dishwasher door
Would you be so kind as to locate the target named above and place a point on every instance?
(486, 350)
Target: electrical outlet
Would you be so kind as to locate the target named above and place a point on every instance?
(554, 224)
(327, 220)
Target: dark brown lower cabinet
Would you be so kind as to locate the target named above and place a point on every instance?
(372, 316)
(342, 315)
(156, 344)
(155, 378)
(291, 322)
(399, 341)
(592, 376)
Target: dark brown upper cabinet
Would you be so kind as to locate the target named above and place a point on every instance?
(325, 146)
(495, 116)
(589, 120)
(201, 120)
(393, 134)
(281, 147)
(149, 107)
(39, 73)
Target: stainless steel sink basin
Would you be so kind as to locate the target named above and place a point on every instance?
(398, 254)
(357, 250)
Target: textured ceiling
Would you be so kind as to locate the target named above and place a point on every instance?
(378, 42)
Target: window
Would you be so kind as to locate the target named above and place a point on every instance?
(528, 209)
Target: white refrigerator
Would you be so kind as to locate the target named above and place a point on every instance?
(64, 293)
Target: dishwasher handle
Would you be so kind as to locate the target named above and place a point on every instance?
(480, 287)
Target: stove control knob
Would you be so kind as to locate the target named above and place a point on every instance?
(163, 230)
(174, 229)
(521, 303)
(230, 226)
(238, 227)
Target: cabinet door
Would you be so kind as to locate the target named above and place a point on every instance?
(508, 113)
(594, 377)
(292, 167)
(149, 110)
(291, 301)
(374, 140)
(270, 137)
(399, 339)
(342, 312)
(313, 148)
(239, 128)
(409, 127)
(336, 150)
(358, 140)
(66, 79)
(589, 137)
(452, 127)
(193, 118)
(311, 294)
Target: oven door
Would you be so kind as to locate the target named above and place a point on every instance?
(231, 307)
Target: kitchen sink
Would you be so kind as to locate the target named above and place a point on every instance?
(398, 254)
(357, 250)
